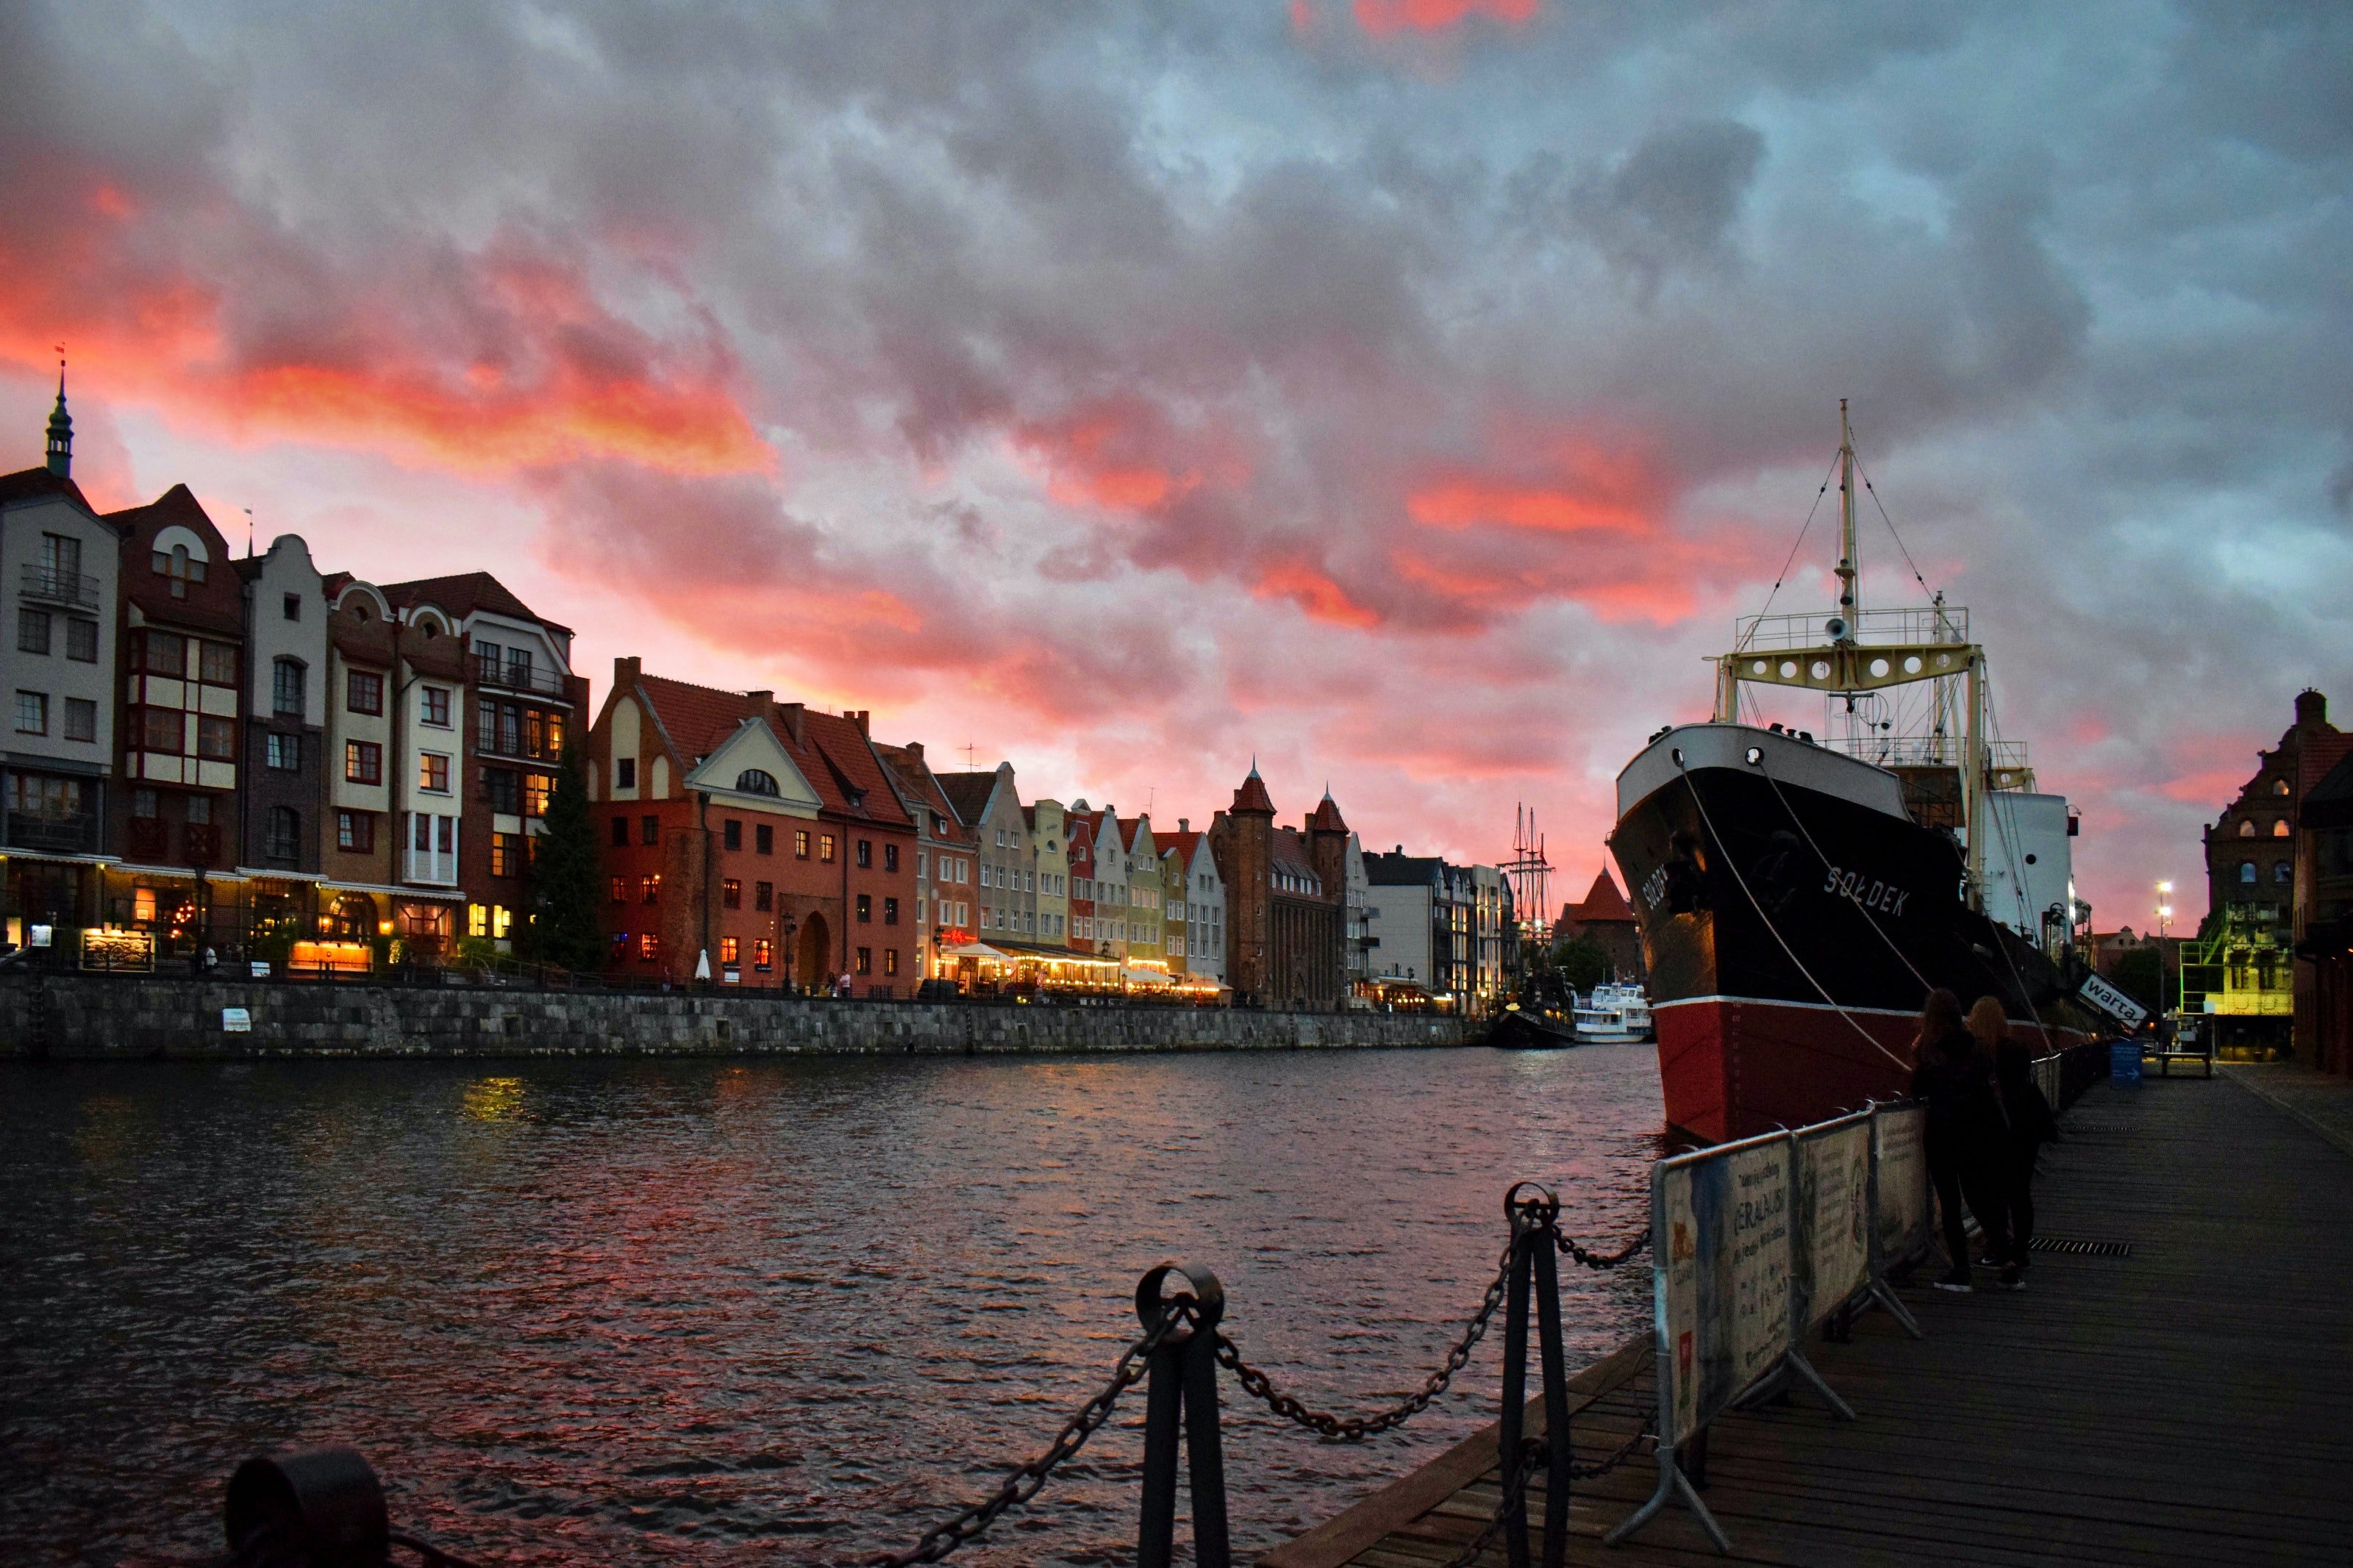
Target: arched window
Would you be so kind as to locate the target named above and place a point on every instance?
(2247, 828)
(757, 780)
(2280, 828)
(2247, 872)
(2279, 786)
(2283, 872)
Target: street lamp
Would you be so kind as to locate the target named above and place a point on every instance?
(2164, 920)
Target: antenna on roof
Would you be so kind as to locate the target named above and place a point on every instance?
(968, 749)
(248, 533)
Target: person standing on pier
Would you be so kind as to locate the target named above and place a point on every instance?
(2031, 1125)
(1954, 1082)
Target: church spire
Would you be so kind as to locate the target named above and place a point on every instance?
(61, 430)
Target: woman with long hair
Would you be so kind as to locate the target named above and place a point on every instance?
(1954, 1083)
(2027, 1124)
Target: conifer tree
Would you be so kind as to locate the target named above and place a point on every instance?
(564, 928)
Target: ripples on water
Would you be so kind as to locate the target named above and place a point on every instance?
(765, 1311)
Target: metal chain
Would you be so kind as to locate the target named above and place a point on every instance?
(1516, 1490)
(1602, 1467)
(1604, 1259)
(1025, 1482)
(1353, 1428)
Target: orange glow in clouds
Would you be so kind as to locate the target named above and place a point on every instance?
(1383, 18)
(1315, 592)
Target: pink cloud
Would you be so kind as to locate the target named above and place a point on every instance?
(1382, 19)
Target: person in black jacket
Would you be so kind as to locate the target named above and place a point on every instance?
(1954, 1082)
(2031, 1124)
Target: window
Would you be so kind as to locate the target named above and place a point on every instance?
(2247, 830)
(436, 701)
(889, 961)
(764, 896)
(62, 554)
(164, 653)
(865, 908)
(504, 791)
(648, 947)
(756, 781)
(32, 713)
(625, 773)
(2280, 828)
(649, 890)
(764, 955)
(621, 832)
(650, 830)
(32, 631)
(433, 771)
(865, 852)
(865, 961)
(363, 692)
(284, 753)
(162, 729)
(620, 891)
(217, 664)
(890, 912)
(488, 652)
(81, 718)
(509, 853)
(518, 667)
(800, 843)
(889, 856)
(824, 848)
(217, 737)
(2284, 873)
(730, 952)
(764, 839)
(282, 839)
(731, 894)
(292, 607)
(2247, 872)
(81, 640)
(620, 944)
(536, 789)
(355, 831)
(731, 833)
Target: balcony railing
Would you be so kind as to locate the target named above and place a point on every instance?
(1909, 626)
(514, 676)
(53, 586)
(56, 835)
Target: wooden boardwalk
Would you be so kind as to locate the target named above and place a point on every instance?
(2190, 1404)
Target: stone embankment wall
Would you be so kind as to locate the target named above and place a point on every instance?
(122, 1017)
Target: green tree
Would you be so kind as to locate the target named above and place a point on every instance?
(561, 925)
(1582, 964)
(2135, 975)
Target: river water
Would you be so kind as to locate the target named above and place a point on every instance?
(754, 1311)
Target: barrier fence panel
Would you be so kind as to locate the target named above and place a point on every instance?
(1900, 1162)
(1834, 1215)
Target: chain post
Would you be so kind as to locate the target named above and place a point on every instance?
(1183, 1392)
(1535, 1241)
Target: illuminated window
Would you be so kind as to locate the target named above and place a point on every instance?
(824, 848)
(363, 762)
(536, 789)
(730, 952)
(477, 919)
(2247, 830)
(731, 894)
(865, 961)
(800, 843)
(889, 961)
(502, 919)
(2280, 828)
(620, 944)
(648, 889)
(648, 947)
(508, 852)
(433, 771)
(764, 955)
(620, 890)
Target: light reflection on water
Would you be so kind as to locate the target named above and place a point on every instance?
(768, 1311)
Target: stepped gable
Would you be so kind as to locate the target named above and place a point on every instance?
(463, 595)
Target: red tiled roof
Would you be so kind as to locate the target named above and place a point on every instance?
(216, 604)
(1291, 852)
(1605, 902)
(924, 786)
(2321, 751)
(30, 484)
(1183, 841)
(464, 593)
(1326, 817)
(1252, 795)
(968, 793)
(834, 757)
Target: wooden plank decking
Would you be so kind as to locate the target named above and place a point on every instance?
(2190, 1404)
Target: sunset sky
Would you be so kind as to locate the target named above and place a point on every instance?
(1408, 393)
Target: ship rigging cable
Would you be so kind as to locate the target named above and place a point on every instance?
(1870, 489)
(1767, 920)
(1783, 574)
(1867, 919)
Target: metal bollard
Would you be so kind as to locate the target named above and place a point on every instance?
(1183, 1388)
(1536, 1248)
(322, 1509)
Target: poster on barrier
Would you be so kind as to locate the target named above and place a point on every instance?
(1834, 1217)
(1725, 1303)
(1901, 1133)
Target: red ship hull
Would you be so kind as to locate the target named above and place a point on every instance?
(1735, 1067)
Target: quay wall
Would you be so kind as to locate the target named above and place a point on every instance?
(129, 1018)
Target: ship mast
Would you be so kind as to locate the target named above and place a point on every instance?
(1850, 566)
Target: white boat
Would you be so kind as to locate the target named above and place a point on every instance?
(1613, 1015)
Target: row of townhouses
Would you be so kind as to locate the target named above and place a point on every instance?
(226, 756)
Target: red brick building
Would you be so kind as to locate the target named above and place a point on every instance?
(1606, 921)
(1286, 926)
(759, 835)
